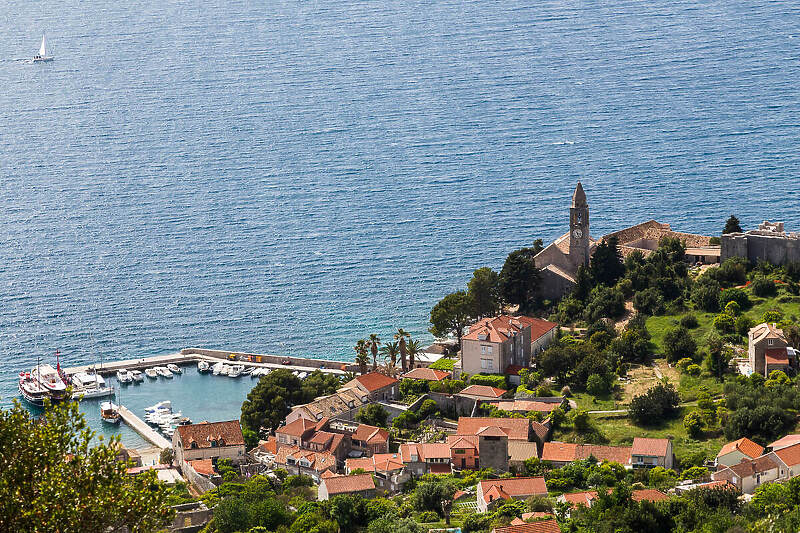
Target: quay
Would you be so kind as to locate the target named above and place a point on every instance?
(140, 427)
(192, 355)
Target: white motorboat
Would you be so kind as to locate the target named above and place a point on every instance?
(123, 376)
(42, 56)
(166, 404)
(217, 368)
(137, 376)
(151, 373)
(203, 366)
(235, 371)
(302, 375)
(109, 412)
(90, 385)
(226, 369)
(175, 369)
(164, 372)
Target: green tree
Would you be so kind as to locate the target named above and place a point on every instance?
(54, 478)
(373, 414)
(451, 315)
(414, 348)
(519, 278)
(732, 225)
(362, 357)
(428, 495)
(374, 343)
(679, 343)
(654, 406)
(606, 266)
(391, 525)
(390, 351)
(597, 385)
(694, 424)
(401, 337)
(484, 292)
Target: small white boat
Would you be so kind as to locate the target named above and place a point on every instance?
(202, 366)
(136, 376)
(164, 372)
(123, 376)
(217, 368)
(166, 404)
(42, 56)
(109, 412)
(89, 385)
(175, 369)
(235, 371)
(302, 375)
(151, 373)
(226, 369)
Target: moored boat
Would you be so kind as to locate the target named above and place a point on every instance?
(203, 366)
(163, 372)
(175, 369)
(217, 368)
(31, 390)
(90, 385)
(109, 412)
(151, 373)
(49, 378)
(235, 371)
(123, 376)
(136, 376)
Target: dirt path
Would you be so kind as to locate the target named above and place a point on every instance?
(620, 324)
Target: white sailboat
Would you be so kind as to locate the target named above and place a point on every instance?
(42, 56)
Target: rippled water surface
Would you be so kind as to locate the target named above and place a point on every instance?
(288, 177)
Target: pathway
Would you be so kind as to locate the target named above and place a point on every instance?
(140, 427)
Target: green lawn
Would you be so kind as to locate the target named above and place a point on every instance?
(584, 400)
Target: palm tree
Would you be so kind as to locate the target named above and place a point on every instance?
(413, 348)
(362, 359)
(401, 336)
(390, 351)
(374, 342)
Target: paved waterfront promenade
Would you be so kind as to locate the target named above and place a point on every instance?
(140, 427)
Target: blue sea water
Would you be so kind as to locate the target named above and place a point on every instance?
(288, 177)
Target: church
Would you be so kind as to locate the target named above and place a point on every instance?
(558, 263)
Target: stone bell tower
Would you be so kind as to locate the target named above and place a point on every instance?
(579, 228)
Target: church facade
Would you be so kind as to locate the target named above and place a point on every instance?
(558, 262)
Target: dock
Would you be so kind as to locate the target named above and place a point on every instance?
(140, 427)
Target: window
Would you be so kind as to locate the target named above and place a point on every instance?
(770, 341)
(483, 349)
(489, 349)
(483, 364)
(194, 446)
(213, 444)
(458, 451)
(489, 365)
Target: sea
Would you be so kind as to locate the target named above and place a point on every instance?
(290, 176)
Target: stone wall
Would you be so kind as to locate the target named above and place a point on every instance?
(275, 359)
(778, 249)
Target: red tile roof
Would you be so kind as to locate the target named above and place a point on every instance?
(204, 433)
(492, 431)
(319, 460)
(328, 473)
(542, 526)
(649, 447)
(581, 498)
(513, 370)
(789, 455)
(365, 463)
(515, 428)
(650, 495)
(321, 437)
(297, 428)
(783, 442)
(499, 329)
(776, 356)
(371, 434)
(516, 487)
(348, 484)
(744, 445)
(560, 452)
(539, 327)
(375, 381)
(269, 446)
(462, 441)
(204, 467)
(483, 391)
(434, 450)
(495, 493)
(427, 374)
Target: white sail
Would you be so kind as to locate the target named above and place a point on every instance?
(43, 48)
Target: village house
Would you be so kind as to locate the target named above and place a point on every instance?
(388, 468)
(306, 462)
(541, 526)
(493, 491)
(562, 453)
(494, 344)
(209, 440)
(364, 439)
(359, 484)
(343, 404)
(735, 452)
(379, 387)
(296, 432)
(784, 442)
(574, 499)
(523, 406)
(650, 453)
(767, 350)
(340, 438)
(750, 474)
(789, 461)
(481, 393)
(529, 516)
(427, 374)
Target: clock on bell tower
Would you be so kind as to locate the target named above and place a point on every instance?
(579, 227)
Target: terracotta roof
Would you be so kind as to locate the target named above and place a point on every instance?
(427, 374)
(388, 461)
(297, 428)
(495, 493)
(516, 487)
(482, 391)
(348, 484)
(776, 356)
(321, 437)
(649, 447)
(716, 484)
(204, 467)
(650, 495)
(409, 449)
(764, 330)
(374, 381)
(783, 442)
(581, 498)
(519, 450)
(434, 450)
(539, 327)
(501, 328)
(515, 428)
(561, 452)
(542, 526)
(541, 429)
(327, 474)
(462, 441)
(319, 461)
(754, 466)
(517, 521)
(205, 432)
(269, 446)
(440, 468)
(744, 445)
(789, 455)
(513, 370)
(492, 431)
(365, 463)
(536, 514)
(370, 434)
(322, 425)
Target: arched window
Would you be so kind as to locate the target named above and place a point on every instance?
(213, 444)
(194, 446)
(222, 442)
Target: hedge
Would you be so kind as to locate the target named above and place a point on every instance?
(492, 380)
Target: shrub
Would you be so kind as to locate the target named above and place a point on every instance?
(684, 363)
(732, 271)
(705, 295)
(566, 392)
(427, 408)
(648, 301)
(428, 516)
(725, 323)
(580, 420)
(694, 370)
(597, 385)
(693, 422)
(492, 380)
(679, 343)
(732, 308)
(763, 287)
(695, 472)
(413, 387)
(743, 324)
(445, 363)
(734, 295)
(543, 391)
(654, 406)
(689, 321)
(772, 316)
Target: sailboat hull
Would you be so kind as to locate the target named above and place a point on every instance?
(42, 59)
